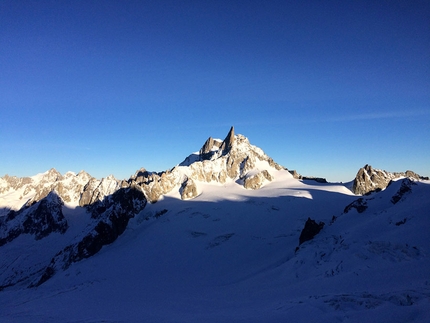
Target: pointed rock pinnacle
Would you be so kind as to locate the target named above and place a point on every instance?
(228, 141)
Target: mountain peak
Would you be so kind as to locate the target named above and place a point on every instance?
(369, 179)
(213, 145)
(228, 141)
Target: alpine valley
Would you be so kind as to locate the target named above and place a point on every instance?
(227, 235)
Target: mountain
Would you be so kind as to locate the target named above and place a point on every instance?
(369, 179)
(227, 235)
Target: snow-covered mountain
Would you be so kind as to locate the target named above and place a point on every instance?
(228, 235)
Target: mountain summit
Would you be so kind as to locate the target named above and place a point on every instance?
(218, 161)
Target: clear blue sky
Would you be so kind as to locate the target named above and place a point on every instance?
(323, 87)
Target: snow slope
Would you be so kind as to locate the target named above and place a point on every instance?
(229, 255)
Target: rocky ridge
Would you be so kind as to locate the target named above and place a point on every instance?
(369, 179)
(76, 189)
(39, 219)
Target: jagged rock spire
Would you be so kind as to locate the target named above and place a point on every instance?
(228, 141)
(207, 147)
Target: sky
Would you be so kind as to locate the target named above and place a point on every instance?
(323, 87)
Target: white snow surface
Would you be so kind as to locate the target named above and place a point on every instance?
(229, 255)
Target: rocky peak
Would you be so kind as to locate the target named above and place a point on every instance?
(228, 141)
(217, 161)
(233, 158)
(207, 147)
(84, 176)
(369, 179)
(51, 176)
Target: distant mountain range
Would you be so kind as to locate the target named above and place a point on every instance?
(229, 193)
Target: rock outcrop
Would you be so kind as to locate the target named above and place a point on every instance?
(113, 215)
(188, 189)
(255, 181)
(359, 204)
(309, 178)
(154, 185)
(310, 230)
(208, 148)
(40, 219)
(369, 179)
(13, 183)
(405, 188)
(96, 190)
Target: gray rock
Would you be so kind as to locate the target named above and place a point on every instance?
(256, 181)
(96, 190)
(208, 149)
(188, 189)
(154, 185)
(370, 180)
(295, 174)
(228, 141)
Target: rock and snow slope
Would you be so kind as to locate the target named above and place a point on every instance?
(229, 254)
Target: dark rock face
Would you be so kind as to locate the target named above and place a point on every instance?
(40, 220)
(309, 178)
(114, 213)
(360, 205)
(316, 179)
(310, 230)
(405, 187)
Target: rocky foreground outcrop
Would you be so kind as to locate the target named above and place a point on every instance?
(310, 230)
(39, 219)
(369, 179)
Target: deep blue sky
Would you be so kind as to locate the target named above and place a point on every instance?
(323, 87)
